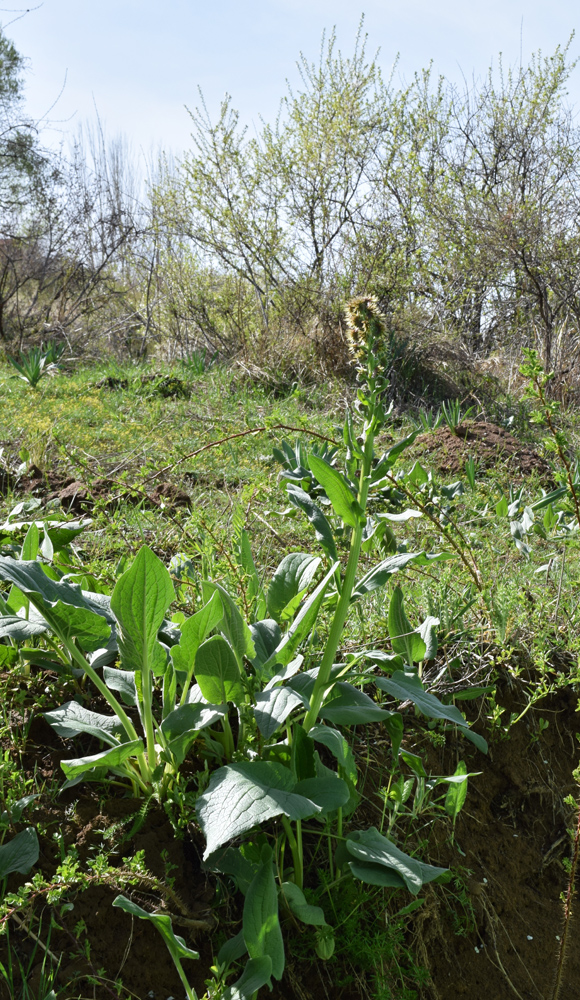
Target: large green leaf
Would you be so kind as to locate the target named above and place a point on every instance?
(260, 924)
(72, 718)
(20, 853)
(322, 528)
(217, 672)
(140, 599)
(406, 641)
(297, 903)
(370, 847)
(241, 796)
(302, 625)
(379, 574)
(91, 630)
(257, 972)
(273, 707)
(350, 707)
(266, 638)
(122, 681)
(175, 944)
(30, 545)
(231, 861)
(232, 624)
(338, 746)
(344, 502)
(110, 758)
(328, 793)
(373, 874)
(407, 686)
(191, 716)
(290, 581)
(181, 727)
(20, 629)
(193, 632)
(30, 578)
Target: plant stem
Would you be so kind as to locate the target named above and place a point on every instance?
(296, 848)
(341, 612)
(146, 686)
(229, 737)
(189, 990)
(100, 685)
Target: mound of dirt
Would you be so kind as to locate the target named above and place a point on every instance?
(487, 443)
(76, 497)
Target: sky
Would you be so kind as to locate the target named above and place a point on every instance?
(137, 63)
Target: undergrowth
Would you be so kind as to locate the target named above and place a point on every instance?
(503, 610)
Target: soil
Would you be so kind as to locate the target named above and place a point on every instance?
(77, 497)
(487, 443)
(513, 835)
(490, 934)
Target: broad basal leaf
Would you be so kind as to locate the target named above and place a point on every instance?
(372, 848)
(297, 903)
(338, 746)
(195, 716)
(241, 796)
(123, 682)
(139, 602)
(193, 632)
(110, 758)
(257, 972)
(302, 625)
(30, 578)
(327, 793)
(273, 707)
(260, 924)
(20, 629)
(348, 706)
(232, 624)
(266, 637)
(89, 629)
(217, 672)
(72, 718)
(20, 853)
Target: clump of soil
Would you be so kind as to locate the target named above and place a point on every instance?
(76, 497)
(111, 382)
(487, 443)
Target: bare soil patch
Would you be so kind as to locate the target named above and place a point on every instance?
(487, 443)
(77, 497)
(512, 847)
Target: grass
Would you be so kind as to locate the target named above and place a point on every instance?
(521, 626)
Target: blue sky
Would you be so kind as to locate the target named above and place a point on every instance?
(140, 61)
